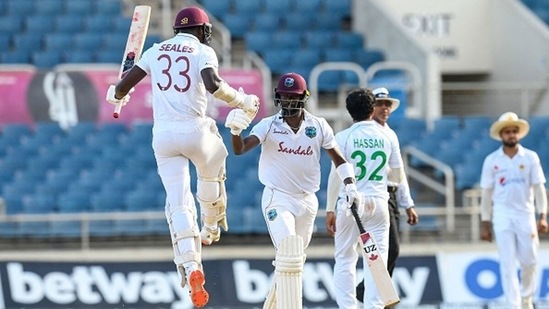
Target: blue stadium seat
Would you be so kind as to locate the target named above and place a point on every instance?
(88, 41)
(238, 25)
(5, 39)
(52, 188)
(39, 24)
(15, 131)
(248, 7)
(97, 23)
(57, 41)
(11, 24)
(25, 41)
(258, 41)
(82, 56)
(46, 59)
(49, 7)
(115, 41)
(150, 40)
(278, 60)
(68, 24)
(121, 25)
(109, 7)
(107, 201)
(349, 40)
(338, 54)
(74, 201)
(338, 7)
(287, 39)
(10, 57)
(308, 7)
(82, 8)
(39, 203)
(48, 128)
(297, 21)
(217, 8)
(65, 228)
(110, 55)
(267, 21)
(328, 22)
(329, 81)
(319, 39)
(77, 162)
(307, 57)
(366, 58)
(279, 6)
(14, 203)
(19, 7)
(141, 200)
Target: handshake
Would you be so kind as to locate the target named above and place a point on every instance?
(240, 118)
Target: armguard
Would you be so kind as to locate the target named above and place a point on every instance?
(486, 205)
(332, 192)
(345, 170)
(229, 95)
(540, 196)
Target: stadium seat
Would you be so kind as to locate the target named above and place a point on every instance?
(88, 41)
(74, 201)
(39, 24)
(48, 128)
(82, 8)
(115, 41)
(307, 57)
(150, 40)
(327, 22)
(15, 131)
(98, 23)
(49, 7)
(57, 41)
(11, 57)
(26, 41)
(329, 81)
(287, 39)
(267, 21)
(248, 7)
(258, 41)
(366, 58)
(109, 8)
(278, 60)
(217, 8)
(279, 7)
(349, 40)
(308, 7)
(238, 25)
(11, 24)
(81, 56)
(68, 24)
(39, 203)
(65, 228)
(110, 55)
(297, 21)
(19, 7)
(140, 200)
(319, 39)
(121, 25)
(46, 59)
(338, 7)
(338, 55)
(14, 203)
(107, 201)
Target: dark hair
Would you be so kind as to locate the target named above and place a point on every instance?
(360, 104)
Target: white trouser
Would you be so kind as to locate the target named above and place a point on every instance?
(517, 240)
(346, 254)
(287, 214)
(174, 144)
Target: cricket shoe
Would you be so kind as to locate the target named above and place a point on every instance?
(209, 236)
(199, 295)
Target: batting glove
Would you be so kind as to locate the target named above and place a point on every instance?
(354, 197)
(250, 103)
(113, 100)
(237, 120)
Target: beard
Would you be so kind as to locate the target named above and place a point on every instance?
(510, 143)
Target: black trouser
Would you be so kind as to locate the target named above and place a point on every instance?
(394, 239)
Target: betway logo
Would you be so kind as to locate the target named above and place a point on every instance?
(92, 285)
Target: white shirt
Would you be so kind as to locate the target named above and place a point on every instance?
(403, 196)
(511, 180)
(290, 162)
(371, 150)
(178, 92)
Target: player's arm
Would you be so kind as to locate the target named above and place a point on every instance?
(486, 214)
(243, 145)
(223, 91)
(540, 197)
(332, 192)
(119, 93)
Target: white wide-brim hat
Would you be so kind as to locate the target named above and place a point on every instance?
(382, 94)
(509, 119)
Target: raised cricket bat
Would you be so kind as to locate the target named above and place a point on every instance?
(377, 266)
(134, 44)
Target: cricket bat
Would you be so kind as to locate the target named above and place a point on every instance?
(377, 266)
(134, 44)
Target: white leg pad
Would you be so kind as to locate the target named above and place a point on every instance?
(187, 259)
(288, 269)
(213, 214)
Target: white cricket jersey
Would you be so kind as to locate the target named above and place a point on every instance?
(290, 162)
(403, 196)
(371, 150)
(178, 92)
(512, 180)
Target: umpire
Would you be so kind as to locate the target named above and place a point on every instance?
(399, 195)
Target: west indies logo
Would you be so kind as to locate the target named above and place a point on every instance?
(310, 132)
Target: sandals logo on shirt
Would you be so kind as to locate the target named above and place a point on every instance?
(272, 214)
(310, 132)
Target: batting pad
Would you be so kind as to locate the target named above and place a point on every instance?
(288, 268)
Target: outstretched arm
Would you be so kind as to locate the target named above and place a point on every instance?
(541, 207)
